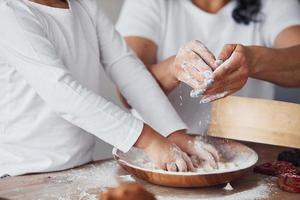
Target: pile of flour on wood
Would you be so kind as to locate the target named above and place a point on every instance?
(233, 158)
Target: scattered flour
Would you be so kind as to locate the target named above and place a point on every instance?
(259, 192)
(200, 124)
(208, 99)
(83, 184)
(86, 196)
(127, 178)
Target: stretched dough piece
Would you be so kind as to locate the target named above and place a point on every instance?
(289, 182)
(128, 191)
(276, 168)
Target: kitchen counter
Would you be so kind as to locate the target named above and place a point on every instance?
(87, 182)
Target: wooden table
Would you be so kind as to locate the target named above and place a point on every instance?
(87, 182)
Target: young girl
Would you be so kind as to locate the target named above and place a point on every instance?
(51, 110)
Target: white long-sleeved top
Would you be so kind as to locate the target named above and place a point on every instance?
(50, 105)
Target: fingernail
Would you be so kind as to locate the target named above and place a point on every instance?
(203, 101)
(207, 74)
(184, 65)
(219, 62)
(196, 93)
(209, 82)
(217, 165)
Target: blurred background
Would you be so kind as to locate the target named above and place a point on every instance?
(113, 8)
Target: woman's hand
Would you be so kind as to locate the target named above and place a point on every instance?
(203, 154)
(196, 66)
(164, 153)
(232, 74)
(193, 66)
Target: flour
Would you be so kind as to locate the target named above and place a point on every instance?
(197, 93)
(200, 124)
(210, 98)
(85, 183)
(127, 178)
(222, 167)
(228, 187)
(86, 196)
(261, 191)
(181, 100)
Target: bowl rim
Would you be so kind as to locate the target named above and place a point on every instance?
(115, 152)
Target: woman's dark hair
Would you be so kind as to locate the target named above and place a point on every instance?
(246, 11)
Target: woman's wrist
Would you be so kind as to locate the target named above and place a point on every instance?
(252, 57)
(259, 58)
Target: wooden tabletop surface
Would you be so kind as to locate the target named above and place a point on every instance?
(87, 182)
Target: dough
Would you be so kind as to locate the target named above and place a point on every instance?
(289, 182)
(128, 191)
(276, 168)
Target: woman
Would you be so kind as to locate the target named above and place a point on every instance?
(51, 110)
(263, 40)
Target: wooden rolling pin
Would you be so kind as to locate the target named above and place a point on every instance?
(256, 120)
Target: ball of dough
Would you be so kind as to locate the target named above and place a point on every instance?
(128, 191)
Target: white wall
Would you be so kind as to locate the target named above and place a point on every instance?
(112, 8)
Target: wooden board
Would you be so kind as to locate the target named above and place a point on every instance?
(256, 120)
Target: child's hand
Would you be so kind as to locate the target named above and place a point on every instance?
(165, 154)
(202, 152)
